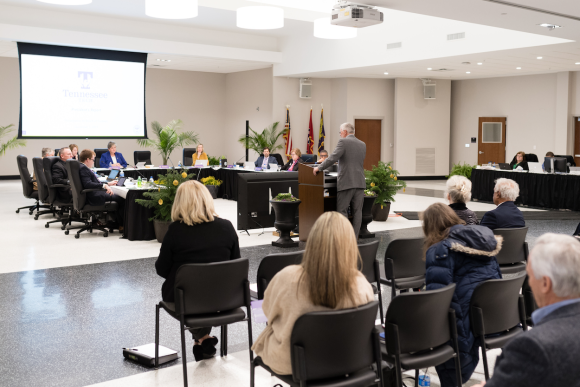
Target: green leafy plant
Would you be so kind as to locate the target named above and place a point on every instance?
(168, 138)
(267, 139)
(462, 170)
(162, 200)
(210, 180)
(285, 197)
(368, 192)
(13, 143)
(213, 160)
(383, 180)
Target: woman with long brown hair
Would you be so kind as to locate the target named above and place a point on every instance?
(464, 255)
(328, 278)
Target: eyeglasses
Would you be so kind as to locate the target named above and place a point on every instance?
(93, 159)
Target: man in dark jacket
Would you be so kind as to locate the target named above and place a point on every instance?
(60, 176)
(265, 161)
(506, 215)
(548, 354)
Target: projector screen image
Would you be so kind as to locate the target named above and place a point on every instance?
(72, 97)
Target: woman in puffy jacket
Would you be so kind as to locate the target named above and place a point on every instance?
(464, 255)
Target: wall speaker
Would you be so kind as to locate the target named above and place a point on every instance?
(305, 88)
(429, 91)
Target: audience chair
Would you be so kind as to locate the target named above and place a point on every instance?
(188, 156)
(308, 158)
(27, 187)
(43, 196)
(98, 153)
(496, 311)
(271, 265)
(513, 255)
(278, 158)
(67, 207)
(324, 354)
(529, 302)
(370, 269)
(209, 295)
(57, 151)
(421, 332)
(404, 267)
(80, 202)
(142, 156)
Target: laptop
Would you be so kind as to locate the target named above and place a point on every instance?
(535, 167)
(201, 163)
(141, 164)
(113, 174)
(505, 166)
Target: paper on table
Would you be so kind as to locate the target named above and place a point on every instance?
(259, 315)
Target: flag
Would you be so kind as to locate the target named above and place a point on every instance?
(310, 143)
(321, 134)
(287, 137)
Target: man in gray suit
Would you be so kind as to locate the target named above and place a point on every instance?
(350, 153)
(548, 354)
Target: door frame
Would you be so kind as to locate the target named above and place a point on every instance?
(382, 118)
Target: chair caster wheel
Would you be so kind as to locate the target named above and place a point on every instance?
(106, 235)
(66, 232)
(30, 212)
(46, 225)
(18, 211)
(77, 236)
(62, 227)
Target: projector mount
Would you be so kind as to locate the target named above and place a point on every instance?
(345, 3)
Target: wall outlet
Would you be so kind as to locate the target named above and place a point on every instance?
(467, 145)
(534, 147)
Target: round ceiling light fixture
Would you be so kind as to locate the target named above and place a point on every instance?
(171, 9)
(468, 72)
(539, 57)
(324, 30)
(260, 17)
(386, 73)
(429, 68)
(550, 26)
(479, 63)
(518, 68)
(67, 2)
(577, 63)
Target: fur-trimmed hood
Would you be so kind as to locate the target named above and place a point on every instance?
(477, 241)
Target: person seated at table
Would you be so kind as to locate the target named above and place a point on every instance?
(464, 255)
(197, 235)
(293, 164)
(74, 148)
(199, 155)
(112, 158)
(89, 180)
(265, 160)
(323, 156)
(549, 154)
(458, 194)
(327, 279)
(60, 176)
(507, 214)
(520, 161)
(46, 152)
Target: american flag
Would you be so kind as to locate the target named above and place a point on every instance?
(287, 136)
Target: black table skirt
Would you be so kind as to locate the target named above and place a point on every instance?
(536, 189)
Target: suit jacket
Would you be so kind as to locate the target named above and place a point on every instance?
(60, 176)
(350, 153)
(289, 164)
(271, 160)
(506, 215)
(90, 181)
(544, 356)
(106, 160)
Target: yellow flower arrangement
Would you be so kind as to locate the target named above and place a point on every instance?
(160, 202)
(175, 183)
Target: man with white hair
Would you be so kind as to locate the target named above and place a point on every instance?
(60, 176)
(507, 214)
(548, 354)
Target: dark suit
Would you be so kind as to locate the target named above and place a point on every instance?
(547, 355)
(289, 164)
(60, 176)
(271, 160)
(506, 215)
(99, 198)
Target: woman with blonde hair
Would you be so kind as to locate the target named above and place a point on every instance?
(328, 278)
(458, 194)
(197, 235)
(74, 148)
(199, 154)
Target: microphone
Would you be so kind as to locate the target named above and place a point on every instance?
(236, 163)
(171, 162)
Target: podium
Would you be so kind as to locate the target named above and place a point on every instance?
(311, 193)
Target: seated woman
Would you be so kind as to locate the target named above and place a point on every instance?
(112, 158)
(458, 193)
(199, 155)
(464, 255)
(74, 148)
(520, 161)
(328, 278)
(196, 235)
(292, 165)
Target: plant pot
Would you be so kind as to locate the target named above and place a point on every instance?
(367, 217)
(285, 222)
(213, 190)
(161, 227)
(381, 214)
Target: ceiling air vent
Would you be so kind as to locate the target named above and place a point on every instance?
(459, 35)
(391, 46)
(443, 70)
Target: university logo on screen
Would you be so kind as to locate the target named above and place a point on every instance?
(85, 79)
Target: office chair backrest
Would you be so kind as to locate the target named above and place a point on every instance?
(98, 153)
(512, 249)
(529, 301)
(142, 156)
(278, 158)
(320, 349)
(73, 170)
(368, 254)
(407, 256)
(47, 163)
(271, 265)
(40, 179)
(22, 162)
(188, 156)
(308, 158)
(212, 287)
(421, 318)
(531, 157)
(498, 300)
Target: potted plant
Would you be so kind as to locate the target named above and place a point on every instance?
(267, 139)
(367, 214)
(13, 143)
(212, 184)
(168, 138)
(462, 170)
(285, 206)
(162, 200)
(383, 181)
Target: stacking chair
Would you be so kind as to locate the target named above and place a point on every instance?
(271, 265)
(421, 332)
(188, 156)
(529, 302)
(98, 153)
(42, 187)
(496, 311)
(404, 265)
(67, 207)
(142, 156)
(513, 255)
(323, 355)
(27, 188)
(370, 269)
(208, 295)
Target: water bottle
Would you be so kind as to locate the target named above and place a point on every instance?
(122, 174)
(139, 182)
(424, 381)
(179, 164)
(151, 182)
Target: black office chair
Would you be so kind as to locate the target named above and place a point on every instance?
(278, 158)
(308, 158)
(208, 295)
(496, 311)
(98, 153)
(370, 269)
(531, 157)
(271, 265)
(80, 202)
(421, 332)
(529, 302)
(188, 156)
(323, 355)
(142, 156)
(65, 207)
(404, 267)
(569, 160)
(27, 187)
(38, 168)
(514, 253)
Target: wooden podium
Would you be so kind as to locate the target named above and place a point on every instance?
(311, 193)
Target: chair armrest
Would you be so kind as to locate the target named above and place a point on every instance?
(389, 268)
(59, 185)
(92, 190)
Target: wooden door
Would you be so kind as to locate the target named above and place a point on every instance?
(576, 141)
(369, 132)
(491, 140)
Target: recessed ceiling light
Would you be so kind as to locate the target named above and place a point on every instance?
(386, 73)
(518, 68)
(577, 63)
(171, 9)
(164, 60)
(260, 17)
(324, 30)
(468, 72)
(429, 68)
(479, 63)
(67, 2)
(539, 57)
(550, 26)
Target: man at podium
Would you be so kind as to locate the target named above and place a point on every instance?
(350, 153)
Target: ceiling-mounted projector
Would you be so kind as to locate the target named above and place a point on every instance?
(349, 14)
